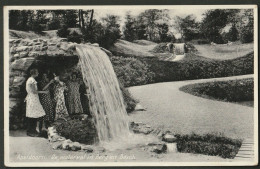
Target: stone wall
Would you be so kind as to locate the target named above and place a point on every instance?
(23, 54)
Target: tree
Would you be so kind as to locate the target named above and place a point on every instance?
(232, 34)
(187, 27)
(214, 21)
(129, 28)
(70, 18)
(163, 32)
(112, 30)
(246, 26)
(151, 18)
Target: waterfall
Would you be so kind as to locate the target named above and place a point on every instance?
(179, 48)
(106, 99)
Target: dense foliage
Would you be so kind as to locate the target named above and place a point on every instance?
(208, 144)
(187, 27)
(141, 71)
(130, 102)
(131, 71)
(215, 22)
(82, 131)
(232, 90)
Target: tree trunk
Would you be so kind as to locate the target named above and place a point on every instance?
(91, 18)
(82, 20)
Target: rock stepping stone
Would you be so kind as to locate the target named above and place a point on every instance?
(246, 151)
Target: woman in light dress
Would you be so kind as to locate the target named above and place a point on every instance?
(34, 109)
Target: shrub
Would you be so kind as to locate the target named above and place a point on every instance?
(246, 35)
(63, 32)
(208, 144)
(232, 35)
(232, 90)
(131, 71)
(141, 71)
(202, 41)
(75, 37)
(82, 131)
(37, 27)
(129, 101)
(160, 48)
(53, 24)
(196, 67)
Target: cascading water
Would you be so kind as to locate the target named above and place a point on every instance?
(179, 48)
(179, 51)
(106, 100)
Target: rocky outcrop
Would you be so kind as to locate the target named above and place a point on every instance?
(24, 54)
(59, 142)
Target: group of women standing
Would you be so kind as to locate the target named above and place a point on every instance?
(48, 104)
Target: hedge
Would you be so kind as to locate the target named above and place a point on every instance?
(208, 144)
(141, 71)
(232, 90)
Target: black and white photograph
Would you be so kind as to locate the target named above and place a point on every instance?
(164, 85)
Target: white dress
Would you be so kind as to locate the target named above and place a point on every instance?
(34, 108)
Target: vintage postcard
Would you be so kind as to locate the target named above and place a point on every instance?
(131, 85)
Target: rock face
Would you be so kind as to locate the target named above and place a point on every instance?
(25, 54)
(59, 142)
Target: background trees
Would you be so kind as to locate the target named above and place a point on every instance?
(187, 27)
(217, 25)
(216, 20)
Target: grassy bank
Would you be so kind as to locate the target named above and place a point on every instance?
(231, 91)
(209, 144)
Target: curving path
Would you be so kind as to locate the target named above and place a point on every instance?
(174, 110)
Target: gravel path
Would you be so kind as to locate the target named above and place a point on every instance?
(174, 110)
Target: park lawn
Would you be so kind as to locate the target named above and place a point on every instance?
(224, 52)
(129, 49)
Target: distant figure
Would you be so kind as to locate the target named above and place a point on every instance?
(46, 100)
(170, 47)
(34, 109)
(74, 102)
(59, 88)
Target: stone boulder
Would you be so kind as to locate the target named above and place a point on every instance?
(22, 64)
(66, 144)
(139, 107)
(75, 146)
(57, 145)
(169, 138)
(140, 128)
(18, 80)
(88, 148)
(158, 147)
